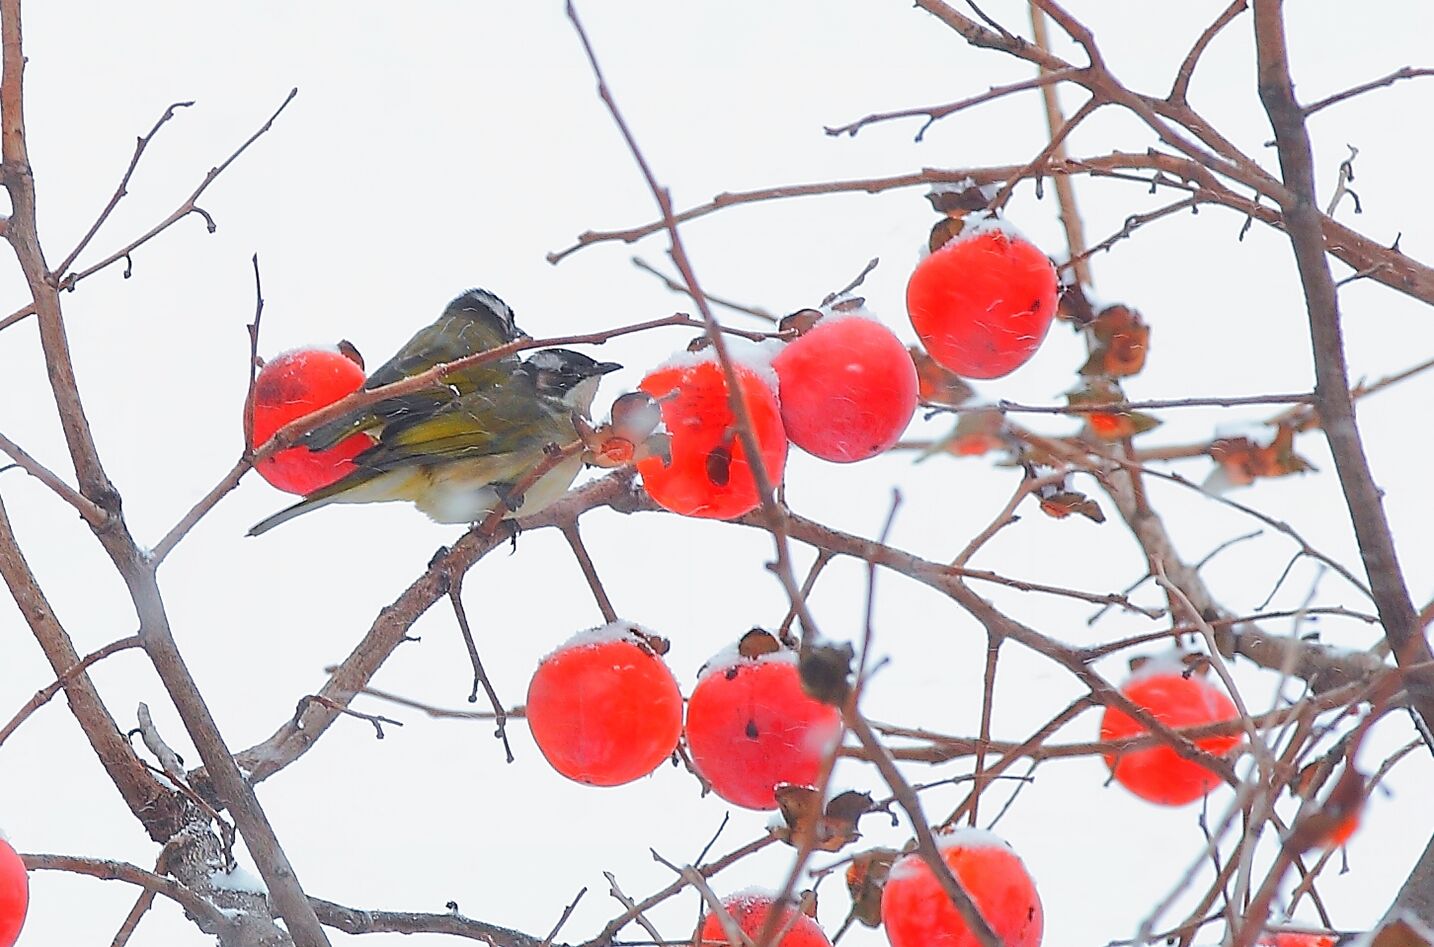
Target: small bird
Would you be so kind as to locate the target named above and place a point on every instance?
(460, 462)
(474, 322)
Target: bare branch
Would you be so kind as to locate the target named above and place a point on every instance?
(44, 694)
(356, 921)
(1407, 72)
(1186, 72)
(211, 918)
(140, 144)
(935, 113)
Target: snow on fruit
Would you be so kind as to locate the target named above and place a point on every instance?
(14, 894)
(604, 709)
(751, 726)
(917, 913)
(708, 474)
(848, 388)
(294, 384)
(1178, 698)
(983, 303)
(750, 909)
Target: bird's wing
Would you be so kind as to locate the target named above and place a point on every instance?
(488, 423)
(474, 322)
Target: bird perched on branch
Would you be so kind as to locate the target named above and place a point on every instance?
(460, 461)
(476, 321)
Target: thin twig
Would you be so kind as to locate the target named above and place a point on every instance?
(585, 562)
(1186, 72)
(375, 719)
(1056, 125)
(772, 513)
(1406, 73)
(44, 694)
(231, 479)
(677, 287)
(818, 564)
(66, 281)
(632, 906)
(567, 913)
(140, 145)
(988, 695)
(480, 677)
(87, 508)
(935, 113)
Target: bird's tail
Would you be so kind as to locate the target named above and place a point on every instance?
(288, 513)
(360, 486)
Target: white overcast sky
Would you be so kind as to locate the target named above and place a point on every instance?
(437, 146)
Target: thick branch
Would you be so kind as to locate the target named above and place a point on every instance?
(1363, 497)
(295, 737)
(356, 921)
(1332, 398)
(147, 799)
(1382, 264)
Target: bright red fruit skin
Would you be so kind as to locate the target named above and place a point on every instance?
(750, 912)
(14, 894)
(982, 304)
(848, 389)
(916, 912)
(1158, 774)
(751, 726)
(604, 713)
(1294, 939)
(290, 386)
(709, 475)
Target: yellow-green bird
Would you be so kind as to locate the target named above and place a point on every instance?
(474, 322)
(459, 462)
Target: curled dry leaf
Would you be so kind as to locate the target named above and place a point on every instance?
(825, 672)
(350, 351)
(865, 879)
(758, 642)
(1242, 461)
(954, 203)
(1073, 305)
(976, 433)
(800, 322)
(827, 830)
(936, 384)
(958, 201)
(1332, 822)
(657, 644)
(1109, 425)
(1059, 504)
(1121, 341)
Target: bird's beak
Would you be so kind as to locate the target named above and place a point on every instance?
(602, 368)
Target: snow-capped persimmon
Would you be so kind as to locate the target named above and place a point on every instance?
(294, 384)
(848, 388)
(983, 303)
(750, 909)
(1178, 699)
(14, 894)
(750, 726)
(604, 709)
(708, 474)
(917, 913)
